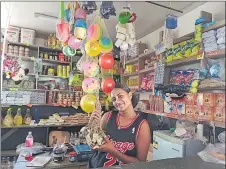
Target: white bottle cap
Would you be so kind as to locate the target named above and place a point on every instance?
(30, 132)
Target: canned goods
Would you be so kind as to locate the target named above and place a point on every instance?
(61, 57)
(51, 71)
(68, 70)
(64, 75)
(46, 55)
(41, 55)
(60, 70)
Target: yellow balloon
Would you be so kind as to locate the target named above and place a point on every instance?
(92, 48)
(80, 33)
(193, 90)
(88, 102)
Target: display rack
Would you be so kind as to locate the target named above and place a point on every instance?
(175, 64)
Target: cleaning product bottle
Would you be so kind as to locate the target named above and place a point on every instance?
(18, 118)
(8, 120)
(29, 140)
(27, 117)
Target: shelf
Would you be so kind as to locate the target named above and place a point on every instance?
(147, 54)
(39, 126)
(131, 74)
(151, 69)
(175, 116)
(24, 45)
(132, 60)
(47, 49)
(181, 62)
(44, 90)
(54, 61)
(47, 76)
(212, 88)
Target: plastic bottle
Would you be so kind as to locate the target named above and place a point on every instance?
(50, 41)
(29, 140)
(76, 139)
(8, 120)
(27, 117)
(18, 120)
(72, 138)
(54, 41)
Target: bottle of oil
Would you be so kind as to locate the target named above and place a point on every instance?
(8, 120)
(18, 118)
(27, 118)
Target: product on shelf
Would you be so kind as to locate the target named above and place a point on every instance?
(156, 103)
(27, 118)
(54, 56)
(133, 82)
(27, 36)
(131, 68)
(53, 42)
(13, 34)
(219, 114)
(147, 82)
(159, 73)
(8, 120)
(18, 119)
(150, 62)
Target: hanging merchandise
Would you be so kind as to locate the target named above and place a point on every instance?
(171, 21)
(80, 13)
(125, 29)
(106, 61)
(106, 45)
(37, 65)
(74, 43)
(67, 51)
(89, 7)
(107, 9)
(94, 32)
(90, 69)
(88, 103)
(92, 48)
(91, 85)
(107, 85)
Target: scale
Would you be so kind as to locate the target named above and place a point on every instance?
(83, 151)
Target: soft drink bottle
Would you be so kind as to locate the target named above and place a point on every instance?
(29, 140)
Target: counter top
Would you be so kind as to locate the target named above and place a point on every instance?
(176, 163)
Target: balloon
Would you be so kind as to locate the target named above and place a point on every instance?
(94, 32)
(92, 48)
(80, 23)
(124, 17)
(107, 85)
(106, 44)
(74, 43)
(88, 102)
(67, 51)
(106, 61)
(80, 13)
(90, 85)
(91, 69)
(80, 33)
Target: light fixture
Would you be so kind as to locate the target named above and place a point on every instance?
(40, 15)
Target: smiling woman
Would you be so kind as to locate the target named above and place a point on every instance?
(128, 134)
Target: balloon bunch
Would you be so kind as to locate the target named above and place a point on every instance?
(73, 28)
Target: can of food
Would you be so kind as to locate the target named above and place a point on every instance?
(68, 70)
(61, 57)
(64, 74)
(46, 55)
(59, 70)
(41, 55)
(51, 71)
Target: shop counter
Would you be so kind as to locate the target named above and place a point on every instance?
(193, 162)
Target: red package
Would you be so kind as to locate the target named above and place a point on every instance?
(144, 82)
(219, 114)
(190, 99)
(220, 99)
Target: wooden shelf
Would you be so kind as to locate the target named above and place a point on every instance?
(131, 74)
(24, 45)
(212, 88)
(147, 54)
(150, 69)
(192, 59)
(39, 126)
(54, 61)
(48, 76)
(132, 60)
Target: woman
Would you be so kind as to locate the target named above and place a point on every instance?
(128, 134)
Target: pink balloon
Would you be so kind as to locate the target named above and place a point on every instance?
(80, 14)
(74, 43)
(90, 85)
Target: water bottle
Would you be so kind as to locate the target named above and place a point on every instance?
(29, 140)
(76, 139)
(72, 139)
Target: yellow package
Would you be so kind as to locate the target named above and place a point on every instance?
(198, 33)
(169, 55)
(186, 49)
(177, 52)
(195, 47)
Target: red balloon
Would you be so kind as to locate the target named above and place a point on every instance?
(107, 85)
(106, 61)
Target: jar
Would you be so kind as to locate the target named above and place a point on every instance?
(46, 55)
(64, 75)
(59, 70)
(52, 84)
(51, 71)
(50, 56)
(41, 55)
(72, 156)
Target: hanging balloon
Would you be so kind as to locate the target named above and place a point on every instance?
(88, 102)
(92, 48)
(80, 13)
(90, 85)
(80, 33)
(91, 69)
(74, 43)
(67, 51)
(107, 85)
(106, 61)
(106, 44)
(94, 32)
(80, 23)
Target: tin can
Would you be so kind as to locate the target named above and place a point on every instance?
(64, 74)
(68, 70)
(60, 70)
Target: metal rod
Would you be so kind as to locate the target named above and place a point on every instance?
(163, 6)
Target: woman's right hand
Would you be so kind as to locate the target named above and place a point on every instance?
(96, 115)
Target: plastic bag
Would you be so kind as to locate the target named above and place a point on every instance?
(216, 68)
(213, 153)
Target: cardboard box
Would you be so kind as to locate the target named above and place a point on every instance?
(197, 110)
(207, 113)
(190, 99)
(189, 111)
(220, 99)
(219, 114)
(208, 99)
(199, 99)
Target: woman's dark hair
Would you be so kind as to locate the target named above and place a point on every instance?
(135, 96)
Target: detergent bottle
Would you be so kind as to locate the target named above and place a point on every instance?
(8, 120)
(18, 118)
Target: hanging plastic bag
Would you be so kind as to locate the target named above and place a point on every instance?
(171, 21)
(216, 68)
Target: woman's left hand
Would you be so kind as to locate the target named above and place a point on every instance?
(107, 147)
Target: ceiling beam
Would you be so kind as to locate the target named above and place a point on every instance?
(163, 6)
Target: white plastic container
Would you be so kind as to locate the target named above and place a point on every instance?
(13, 34)
(27, 36)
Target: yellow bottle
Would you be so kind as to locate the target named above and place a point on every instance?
(18, 120)
(8, 120)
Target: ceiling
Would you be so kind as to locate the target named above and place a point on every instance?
(149, 17)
